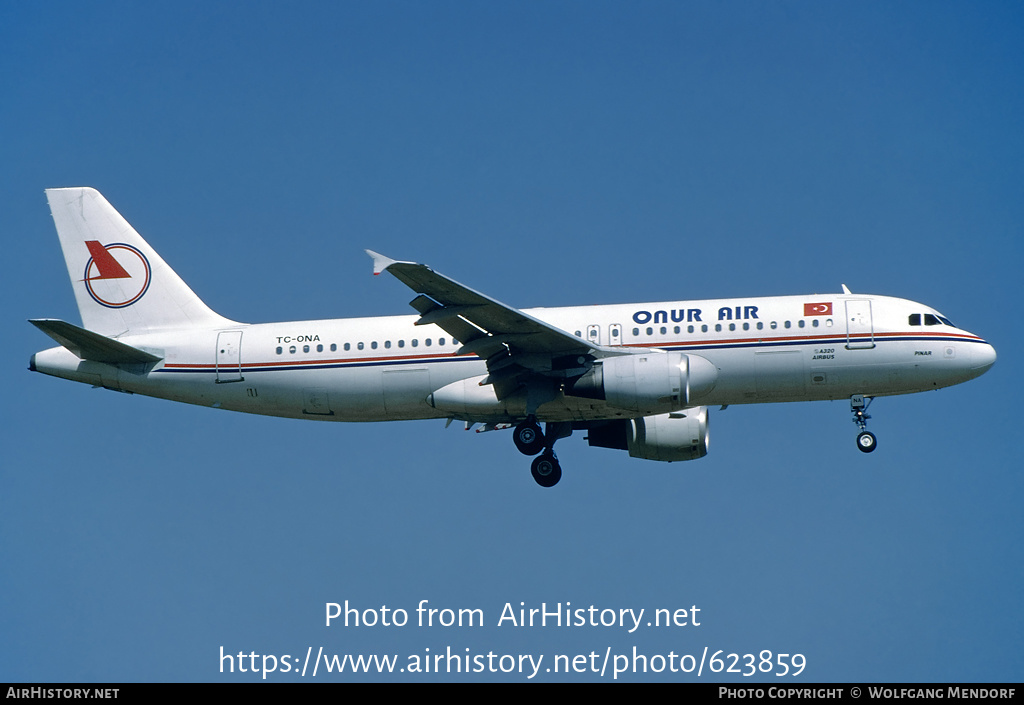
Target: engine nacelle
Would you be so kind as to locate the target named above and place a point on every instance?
(682, 435)
(466, 398)
(648, 383)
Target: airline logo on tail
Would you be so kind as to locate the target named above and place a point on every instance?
(116, 275)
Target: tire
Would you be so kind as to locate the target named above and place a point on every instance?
(528, 438)
(546, 471)
(866, 442)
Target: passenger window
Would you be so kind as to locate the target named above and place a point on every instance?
(787, 324)
(291, 350)
(676, 329)
(319, 348)
(650, 331)
(774, 325)
(348, 346)
(387, 343)
(427, 342)
(689, 329)
(415, 343)
(334, 347)
(373, 345)
(305, 348)
(360, 346)
(718, 327)
(815, 323)
(760, 325)
(801, 323)
(280, 350)
(704, 328)
(440, 341)
(732, 326)
(636, 331)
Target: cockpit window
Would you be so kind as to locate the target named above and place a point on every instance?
(930, 319)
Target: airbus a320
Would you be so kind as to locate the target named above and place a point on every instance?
(634, 377)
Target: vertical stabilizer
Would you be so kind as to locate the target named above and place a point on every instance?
(121, 284)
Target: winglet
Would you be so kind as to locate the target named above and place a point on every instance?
(380, 262)
(846, 290)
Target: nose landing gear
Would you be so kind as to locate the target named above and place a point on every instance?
(866, 441)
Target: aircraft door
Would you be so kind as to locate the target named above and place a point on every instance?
(860, 332)
(229, 356)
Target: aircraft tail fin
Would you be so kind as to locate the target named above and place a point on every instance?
(121, 284)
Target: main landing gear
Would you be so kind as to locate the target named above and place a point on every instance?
(530, 440)
(866, 441)
(528, 437)
(545, 469)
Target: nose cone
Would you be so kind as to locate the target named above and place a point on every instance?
(983, 356)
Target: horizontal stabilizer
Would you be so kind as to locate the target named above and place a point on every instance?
(92, 346)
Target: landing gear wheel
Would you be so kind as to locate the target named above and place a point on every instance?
(546, 470)
(528, 438)
(865, 439)
(866, 442)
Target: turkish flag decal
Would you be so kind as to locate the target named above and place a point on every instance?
(824, 309)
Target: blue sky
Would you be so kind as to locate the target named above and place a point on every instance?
(547, 154)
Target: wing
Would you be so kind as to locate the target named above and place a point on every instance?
(520, 350)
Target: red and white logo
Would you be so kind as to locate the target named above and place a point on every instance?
(116, 275)
(823, 309)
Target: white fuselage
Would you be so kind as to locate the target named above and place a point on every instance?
(775, 349)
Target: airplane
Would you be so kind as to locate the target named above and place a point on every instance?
(635, 377)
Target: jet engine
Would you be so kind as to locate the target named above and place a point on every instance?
(647, 383)
(682, 435)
